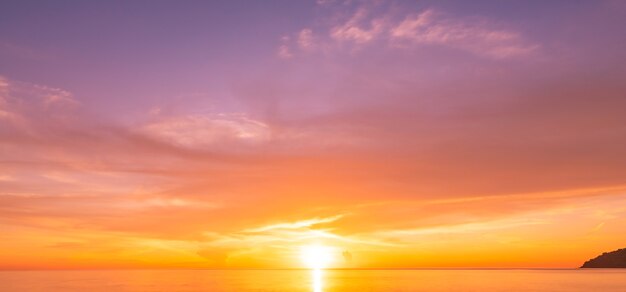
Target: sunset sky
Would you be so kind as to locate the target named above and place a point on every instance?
(399, 134)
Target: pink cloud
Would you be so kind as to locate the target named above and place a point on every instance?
(202, 131)
(305, 39)
(359, 28)
(430, 27)
(434, 28)
(284, 51)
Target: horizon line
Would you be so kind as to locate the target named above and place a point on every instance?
(298, 269)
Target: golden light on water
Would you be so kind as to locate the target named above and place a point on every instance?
(316, 257)
(317, 280)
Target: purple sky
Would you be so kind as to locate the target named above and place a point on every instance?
(376, 123)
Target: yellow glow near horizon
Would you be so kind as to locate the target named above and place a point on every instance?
(316, 256)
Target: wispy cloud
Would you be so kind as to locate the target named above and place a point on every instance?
(296, 225)
(306, 40)
(359, 28)
(284, 51)
(205, 131)
(466, 228)
(478, 37)
(367, 25)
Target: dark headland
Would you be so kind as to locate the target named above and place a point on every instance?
(614, 259)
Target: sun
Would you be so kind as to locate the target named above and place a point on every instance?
(316, 256)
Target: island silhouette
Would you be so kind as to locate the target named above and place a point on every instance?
(613, 259)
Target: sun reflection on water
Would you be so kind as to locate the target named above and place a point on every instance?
(317, 280)
(316, 257)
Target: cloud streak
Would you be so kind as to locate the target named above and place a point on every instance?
(367, 26)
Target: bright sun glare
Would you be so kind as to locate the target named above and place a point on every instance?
(316, 256)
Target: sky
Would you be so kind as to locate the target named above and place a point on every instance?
(230, 134)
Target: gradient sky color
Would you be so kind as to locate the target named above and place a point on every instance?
(206, 134)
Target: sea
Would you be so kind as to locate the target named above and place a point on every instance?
(596, 280)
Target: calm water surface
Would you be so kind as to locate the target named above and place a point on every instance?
(316, 281)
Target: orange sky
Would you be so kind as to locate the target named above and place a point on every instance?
(409, 135)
